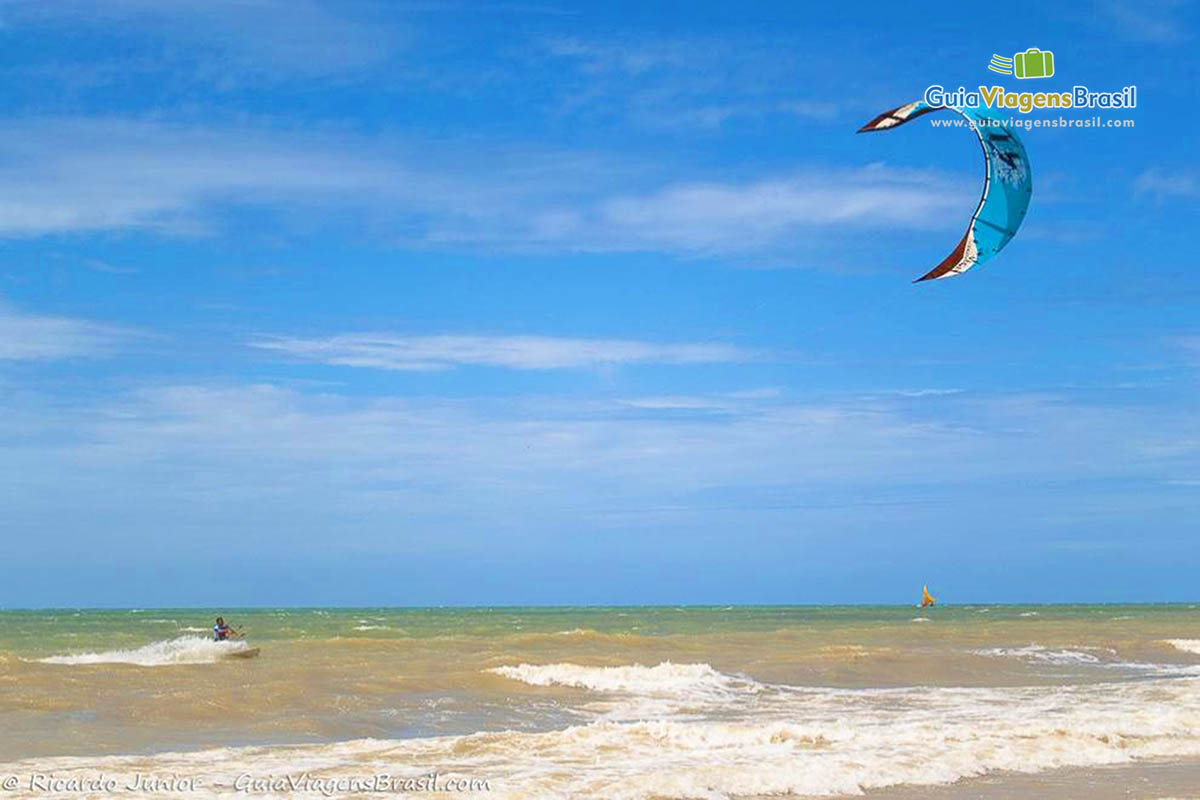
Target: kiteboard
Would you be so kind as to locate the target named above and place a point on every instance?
(250, 652)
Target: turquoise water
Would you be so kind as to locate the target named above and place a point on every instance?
(55, 631)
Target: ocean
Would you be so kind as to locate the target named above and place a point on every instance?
(623, 703)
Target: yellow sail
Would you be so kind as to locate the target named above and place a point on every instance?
(926, 598)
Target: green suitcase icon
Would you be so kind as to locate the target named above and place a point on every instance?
(1033, 63)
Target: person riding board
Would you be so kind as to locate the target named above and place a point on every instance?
(222, 632)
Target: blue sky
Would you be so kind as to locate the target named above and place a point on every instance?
(317, 303)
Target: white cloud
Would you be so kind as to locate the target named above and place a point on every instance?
(931, 392)
(627, 58)
(733, 217)
(225, 447)
(168, 475)
(685, 84)
(1163, 184)
(76, 175)
(68, 175)
(396, 352)
(677, 402)
(28, 337)
(1151, 21)
(263, 38)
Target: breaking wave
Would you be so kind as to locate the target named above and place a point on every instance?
(666, 678)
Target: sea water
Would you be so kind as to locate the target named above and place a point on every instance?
(659, 702)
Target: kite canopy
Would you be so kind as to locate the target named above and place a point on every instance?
(1007, 185)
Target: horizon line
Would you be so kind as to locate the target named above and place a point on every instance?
(589, 606)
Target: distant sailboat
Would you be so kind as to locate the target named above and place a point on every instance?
(926, 598)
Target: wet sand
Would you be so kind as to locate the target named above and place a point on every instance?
(1150, 780)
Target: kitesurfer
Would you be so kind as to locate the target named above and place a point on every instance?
(222, 632)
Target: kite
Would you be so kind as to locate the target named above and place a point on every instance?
(1007, 185)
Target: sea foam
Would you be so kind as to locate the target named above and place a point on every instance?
(665, 678)
(1042, 655)
(183, 650)
(798, 742)
(637, 692)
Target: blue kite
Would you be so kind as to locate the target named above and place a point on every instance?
(1007, 186)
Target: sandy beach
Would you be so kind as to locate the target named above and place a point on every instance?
(1171, 780)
